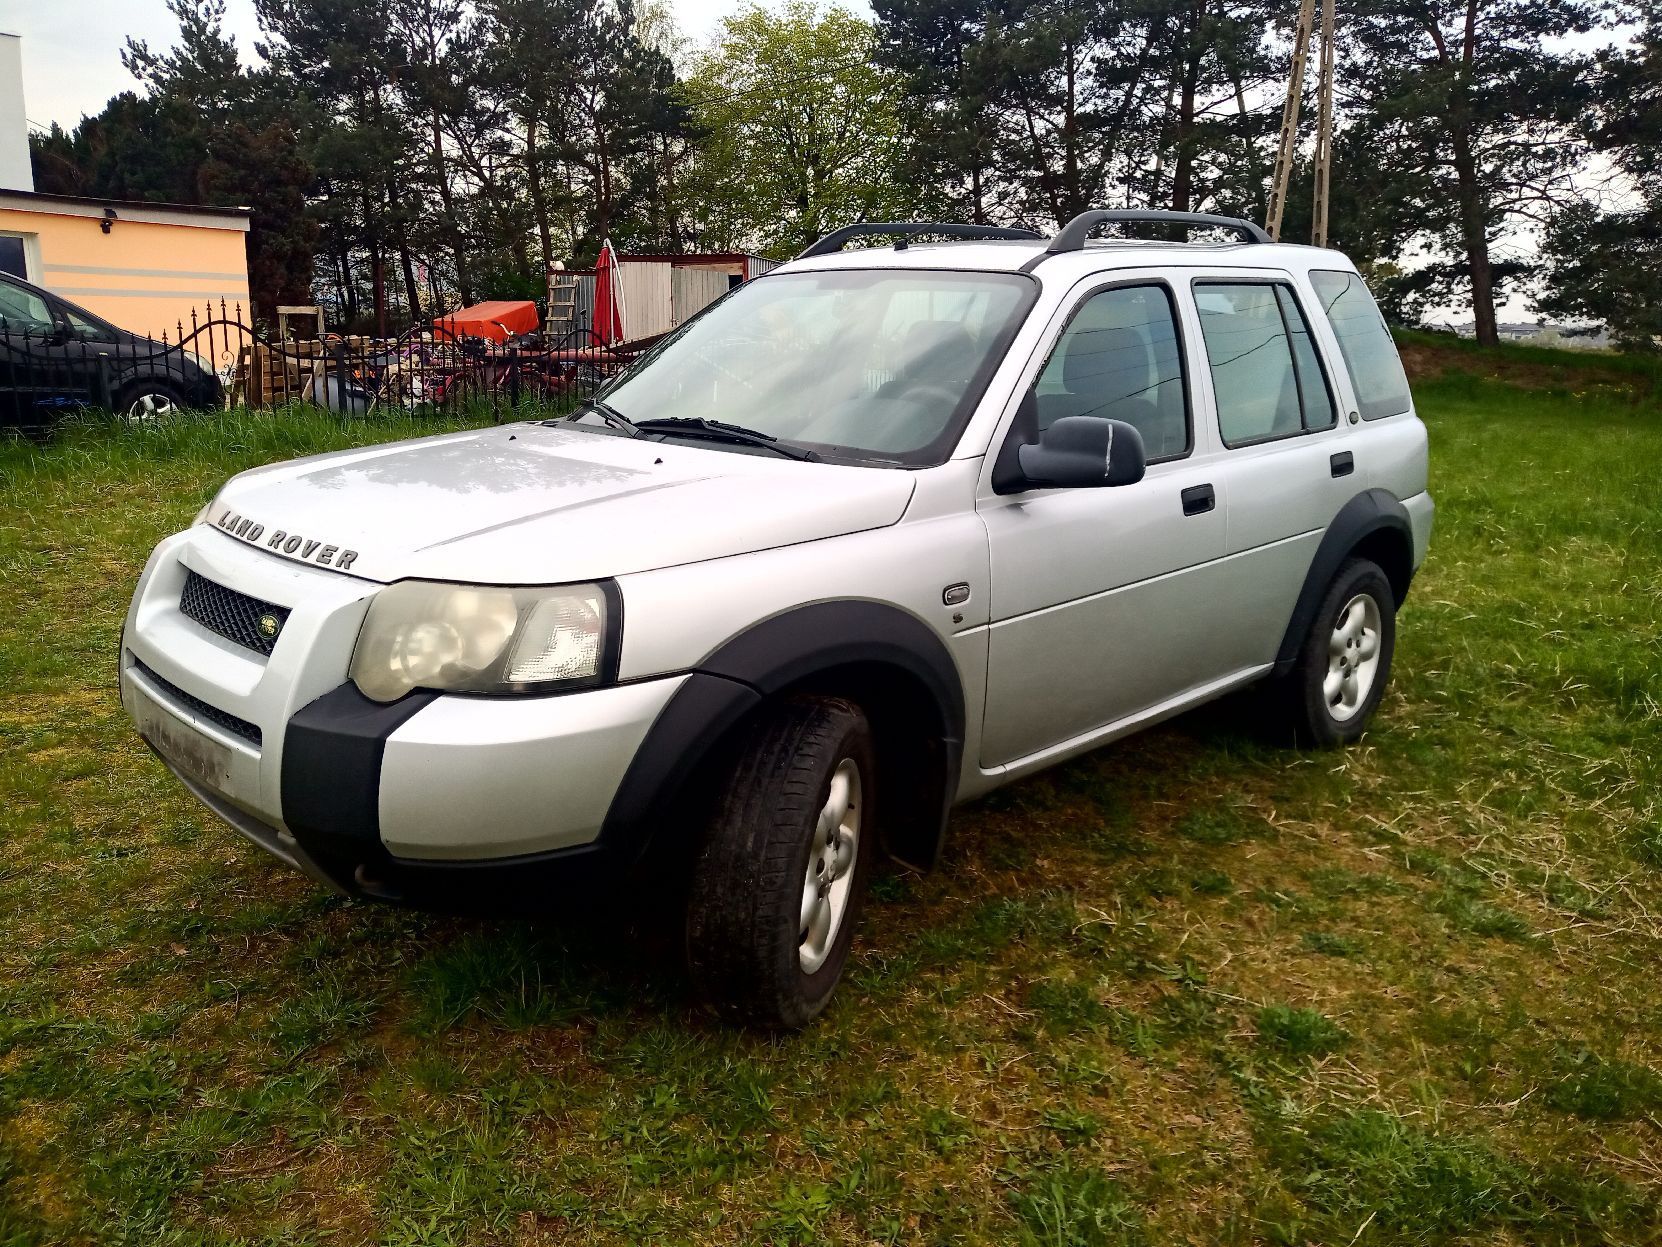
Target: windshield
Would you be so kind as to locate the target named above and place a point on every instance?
(872, 364)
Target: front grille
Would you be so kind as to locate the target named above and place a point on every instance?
(235, 616)
(237, 727)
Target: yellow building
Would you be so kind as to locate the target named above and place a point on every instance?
(141, 266)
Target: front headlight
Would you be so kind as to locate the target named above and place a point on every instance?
(480, 639)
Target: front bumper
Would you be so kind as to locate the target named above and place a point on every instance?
(370, 798)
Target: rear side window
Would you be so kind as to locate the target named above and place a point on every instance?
(1365, 342)
(1265, 370)
(1120, 359)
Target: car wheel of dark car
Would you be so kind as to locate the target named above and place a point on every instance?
(145, 402)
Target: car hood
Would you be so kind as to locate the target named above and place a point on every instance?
(536, 504)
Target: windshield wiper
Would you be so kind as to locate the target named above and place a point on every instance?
(611, 415)
(721, 431)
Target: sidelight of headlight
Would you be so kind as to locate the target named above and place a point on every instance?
(481, 639)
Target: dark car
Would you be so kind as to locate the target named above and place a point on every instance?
(56, 358)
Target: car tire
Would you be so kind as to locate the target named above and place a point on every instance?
(779, 879)
(145, 402)
(1344, 663)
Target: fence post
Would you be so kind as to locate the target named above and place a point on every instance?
(105, 398)
(513, 384)
(340, 380)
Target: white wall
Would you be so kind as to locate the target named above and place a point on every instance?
(646, 298)
(693, 289)
(15, 172)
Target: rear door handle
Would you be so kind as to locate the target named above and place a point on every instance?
(1342, 464)
(1198, 500)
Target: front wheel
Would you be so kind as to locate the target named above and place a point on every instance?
(148, 402)
(779, 880)
(1345, 660)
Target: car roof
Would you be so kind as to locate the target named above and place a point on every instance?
(1096, 256)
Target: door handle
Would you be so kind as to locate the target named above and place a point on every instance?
(1342, 464)
(1198, 500)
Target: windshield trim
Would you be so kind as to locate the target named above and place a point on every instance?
(937, 451)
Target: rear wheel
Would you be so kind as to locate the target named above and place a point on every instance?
(1345, 661)
(778, 884)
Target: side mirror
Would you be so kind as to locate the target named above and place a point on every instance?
(1075, 452)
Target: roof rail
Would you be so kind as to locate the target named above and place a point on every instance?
(1072, 235)
(950, 229)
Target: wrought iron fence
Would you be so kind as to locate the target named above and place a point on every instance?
(220, 361)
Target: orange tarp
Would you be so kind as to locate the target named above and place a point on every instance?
(496, 320)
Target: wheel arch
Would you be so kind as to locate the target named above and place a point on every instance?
(894, 666)
(1373, 525)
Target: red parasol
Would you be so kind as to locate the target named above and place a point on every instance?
(608, 297)
(495, 320)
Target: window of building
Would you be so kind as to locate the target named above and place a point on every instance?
(14, 258)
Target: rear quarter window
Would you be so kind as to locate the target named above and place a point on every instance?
(1375, 369)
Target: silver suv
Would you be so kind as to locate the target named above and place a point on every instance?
(876, 533)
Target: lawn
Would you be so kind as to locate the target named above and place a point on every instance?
(1191, 989)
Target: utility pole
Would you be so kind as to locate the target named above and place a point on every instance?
(1289, 123)
(1324, 131)
(1289, 118)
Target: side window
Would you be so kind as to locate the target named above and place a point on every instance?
(85, 330)
(1313, 390)
(1365, 342)
(23, 311)
(1120, 358)
(1265, 369)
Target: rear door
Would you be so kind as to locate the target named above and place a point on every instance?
(1286, 457)
(1102, 604)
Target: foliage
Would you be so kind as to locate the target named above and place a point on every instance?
(799, 129)
(205, 131)
(1607, 263)
(1468, 111)
(418, 153)
(1035, 112)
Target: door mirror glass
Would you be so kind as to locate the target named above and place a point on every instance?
(1079, 452)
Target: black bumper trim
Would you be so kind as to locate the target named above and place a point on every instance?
(331, 783)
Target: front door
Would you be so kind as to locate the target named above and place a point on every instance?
(1100, 601)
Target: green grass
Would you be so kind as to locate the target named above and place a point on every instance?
(1192, 989)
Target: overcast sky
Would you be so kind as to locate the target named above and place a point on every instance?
(72, 48)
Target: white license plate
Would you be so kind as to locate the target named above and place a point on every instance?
(197, 756)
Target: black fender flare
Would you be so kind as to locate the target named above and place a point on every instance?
(786, 651)
(1371, 517)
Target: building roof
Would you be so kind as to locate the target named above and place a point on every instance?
(690, 257)
(126, 209)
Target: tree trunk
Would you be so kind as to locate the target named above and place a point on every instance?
(412, 288)
(1183, 163)
(348, 305)
(378, 267)
(533, 180)
(1474, 229)
(1074, 199)
(452, 227)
